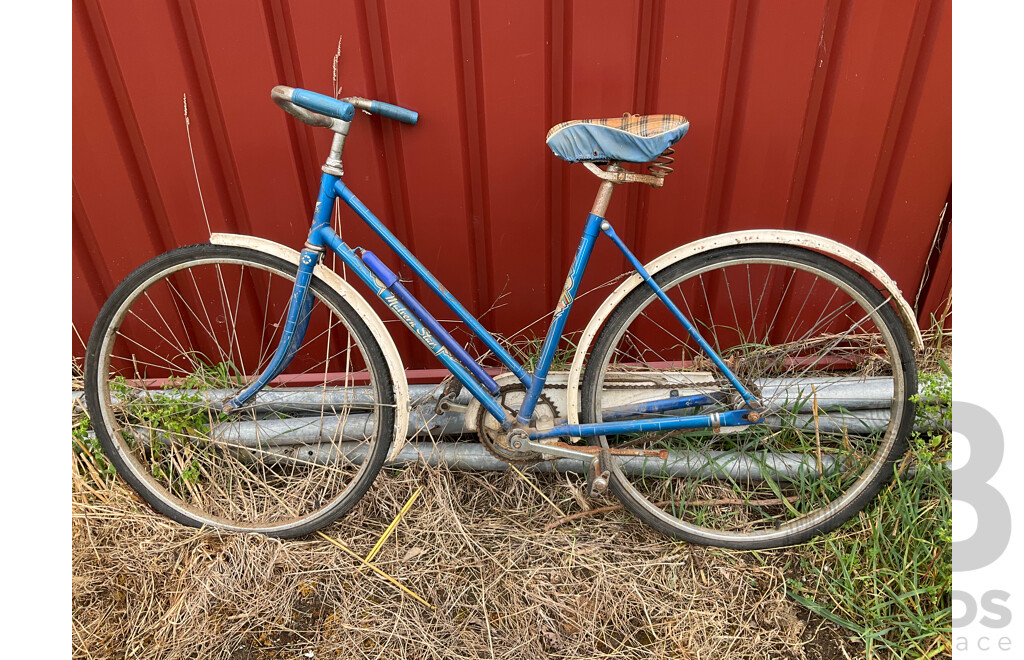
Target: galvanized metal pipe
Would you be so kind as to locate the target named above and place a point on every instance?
(424, 422)
(844, 405)
(754, 466)
(299, 399)
(800, 395)
(831, 393)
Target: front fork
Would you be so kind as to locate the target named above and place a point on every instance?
(300, 305)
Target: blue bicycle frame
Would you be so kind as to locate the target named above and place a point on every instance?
(386, 286)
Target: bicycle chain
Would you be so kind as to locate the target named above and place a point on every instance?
(527, 458)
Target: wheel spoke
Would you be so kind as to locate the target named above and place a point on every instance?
(798, 472)
(163, 413)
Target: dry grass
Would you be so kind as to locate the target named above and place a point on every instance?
(937, 356)
(505, 574)
(472, 545)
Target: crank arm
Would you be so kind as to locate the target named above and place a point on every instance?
(586, 453)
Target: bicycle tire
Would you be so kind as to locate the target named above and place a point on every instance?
(819, 458)
(186, 331)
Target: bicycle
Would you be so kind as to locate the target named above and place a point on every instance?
(747, 390)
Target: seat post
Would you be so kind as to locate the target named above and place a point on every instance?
(604, 192)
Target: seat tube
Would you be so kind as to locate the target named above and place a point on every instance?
(565, 300)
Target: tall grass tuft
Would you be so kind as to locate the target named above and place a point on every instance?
(887, 575)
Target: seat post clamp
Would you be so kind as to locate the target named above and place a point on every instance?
(620, 175)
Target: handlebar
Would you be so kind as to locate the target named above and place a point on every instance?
(319, 110)
(394, 112)
(310, 107)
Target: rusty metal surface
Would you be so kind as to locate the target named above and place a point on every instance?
(828, 117)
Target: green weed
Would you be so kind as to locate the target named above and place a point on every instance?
(173, 422)
(887, 575)
(87, 446)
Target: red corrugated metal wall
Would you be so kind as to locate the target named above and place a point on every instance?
(831, 117)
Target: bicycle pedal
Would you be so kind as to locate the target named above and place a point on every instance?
(597, 477)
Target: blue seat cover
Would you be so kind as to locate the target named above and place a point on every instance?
(630, 139)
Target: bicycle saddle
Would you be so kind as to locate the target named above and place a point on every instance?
(630, 138)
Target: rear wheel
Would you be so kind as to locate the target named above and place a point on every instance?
(820, 348)
(186, 332)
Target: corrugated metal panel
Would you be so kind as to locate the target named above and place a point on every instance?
(831, 117)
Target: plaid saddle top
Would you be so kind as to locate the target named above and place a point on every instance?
(630, 138)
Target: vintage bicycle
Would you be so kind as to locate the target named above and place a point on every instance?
(747, 390)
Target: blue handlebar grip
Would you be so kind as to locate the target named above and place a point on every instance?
(325, 105)
(394, 112)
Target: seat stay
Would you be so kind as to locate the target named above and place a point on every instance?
(690, 328)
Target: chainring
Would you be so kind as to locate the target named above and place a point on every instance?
(495, 440)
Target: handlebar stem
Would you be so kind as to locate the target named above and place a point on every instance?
(333, 163)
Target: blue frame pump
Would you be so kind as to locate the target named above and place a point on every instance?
(391, 282)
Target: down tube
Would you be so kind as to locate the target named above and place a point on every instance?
(326, 236)
(378, 227)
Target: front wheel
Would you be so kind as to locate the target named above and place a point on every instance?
(822, 350)
(185, 333)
